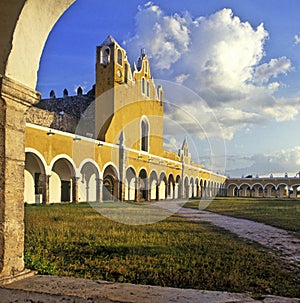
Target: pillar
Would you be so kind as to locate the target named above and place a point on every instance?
(46, 189)
(99, 190)
(122, 167)
(15, 99)
(75, 190)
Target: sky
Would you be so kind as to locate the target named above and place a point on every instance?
(234, 67)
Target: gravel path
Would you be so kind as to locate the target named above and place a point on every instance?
(281, 240)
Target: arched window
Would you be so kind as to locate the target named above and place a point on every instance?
(148, 89)
(105, 55)
(120, 59)
(144, 135)
(143, 86)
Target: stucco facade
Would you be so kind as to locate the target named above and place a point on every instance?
(108, 144)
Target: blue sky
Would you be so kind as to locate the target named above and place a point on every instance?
(241, 57)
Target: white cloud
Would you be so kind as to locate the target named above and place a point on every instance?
(297, 39)
(220, 58)
(276, 163)
(274, 68)
(165, 38)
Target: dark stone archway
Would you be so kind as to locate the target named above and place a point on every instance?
(24, 28)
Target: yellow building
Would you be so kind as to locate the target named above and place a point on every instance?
(108, 144)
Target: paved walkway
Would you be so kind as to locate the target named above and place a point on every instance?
(47, 289)
(281, 240)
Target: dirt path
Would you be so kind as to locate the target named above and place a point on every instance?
(275, 238)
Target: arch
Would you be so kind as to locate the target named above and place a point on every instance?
(130, 184)
(62, 177)
(270, 190)
(257, 190)
(88, 185)
(34, 178)
(154, 188)
(25, 30)
(104, 55)
(119, 57)
(40, 156)
(162, 186)
(245, 190)
(107, 164)
(62, 156)
(143, 194)
(171, 187)
(111, 184)
(232, 190)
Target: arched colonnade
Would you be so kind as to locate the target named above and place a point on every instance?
(63, 181)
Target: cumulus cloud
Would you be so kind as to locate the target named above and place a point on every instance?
(265, 71)
(219, 57)
(166, 38)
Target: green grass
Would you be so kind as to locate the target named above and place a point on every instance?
(282, 213)
(74, 240)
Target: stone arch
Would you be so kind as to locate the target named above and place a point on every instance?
(88, 183)
(34, 178)
(62, 177)
(270, 190)
(111, 184)
(295, 190)
(24, 28)
(245, 190)
(154, 186)
(257, 190)
(232, 190)
(143, 188)
(130, 184)
(171, 187)
(162, 186)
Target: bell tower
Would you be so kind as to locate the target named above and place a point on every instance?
(111, 71)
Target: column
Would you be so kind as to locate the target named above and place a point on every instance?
(75, 190)
(15, 99)
(99, 190)
(46, 189)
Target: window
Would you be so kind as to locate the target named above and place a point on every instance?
(105, 55)
(120, 59)
(143, 86)
(144, 135)
(148, 89)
